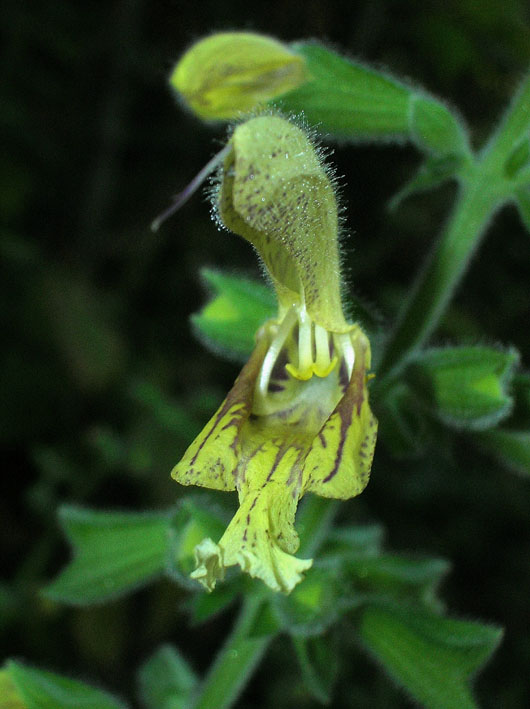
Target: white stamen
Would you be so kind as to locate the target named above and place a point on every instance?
(274, 350)
(305, 343)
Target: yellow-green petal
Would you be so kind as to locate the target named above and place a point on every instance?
(231, 73)
(339, 461)
(260, 539)
(209, 564)
(212, 458)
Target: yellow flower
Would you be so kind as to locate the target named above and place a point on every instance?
(230, 73)
(297, 419)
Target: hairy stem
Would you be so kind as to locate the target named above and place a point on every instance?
(437, 282)
(484, 188)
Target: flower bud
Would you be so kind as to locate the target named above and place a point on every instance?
(231, 73)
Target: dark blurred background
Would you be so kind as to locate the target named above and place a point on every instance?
(102, 384)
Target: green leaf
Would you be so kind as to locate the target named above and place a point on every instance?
(196, 518)
(229, 321)
(434, 128)
(398, 575)
(355, 553)
(432, 657)
(114, 553)
(465, 387)
(432, 173)
(166, 680)
(349, 99)
(319, 664)
(353, 541)
(38, 689)
(512, 448)
(312, 606)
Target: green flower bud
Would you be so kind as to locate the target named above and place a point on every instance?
(231, 73)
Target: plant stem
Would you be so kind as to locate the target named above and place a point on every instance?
(484, 188)
(436, 283)
(236, 661)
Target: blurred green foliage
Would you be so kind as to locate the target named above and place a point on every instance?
(103, 386)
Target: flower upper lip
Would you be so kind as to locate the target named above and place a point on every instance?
(275, 192)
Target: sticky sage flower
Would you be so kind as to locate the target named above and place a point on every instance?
(297, 419)
(231, 73)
